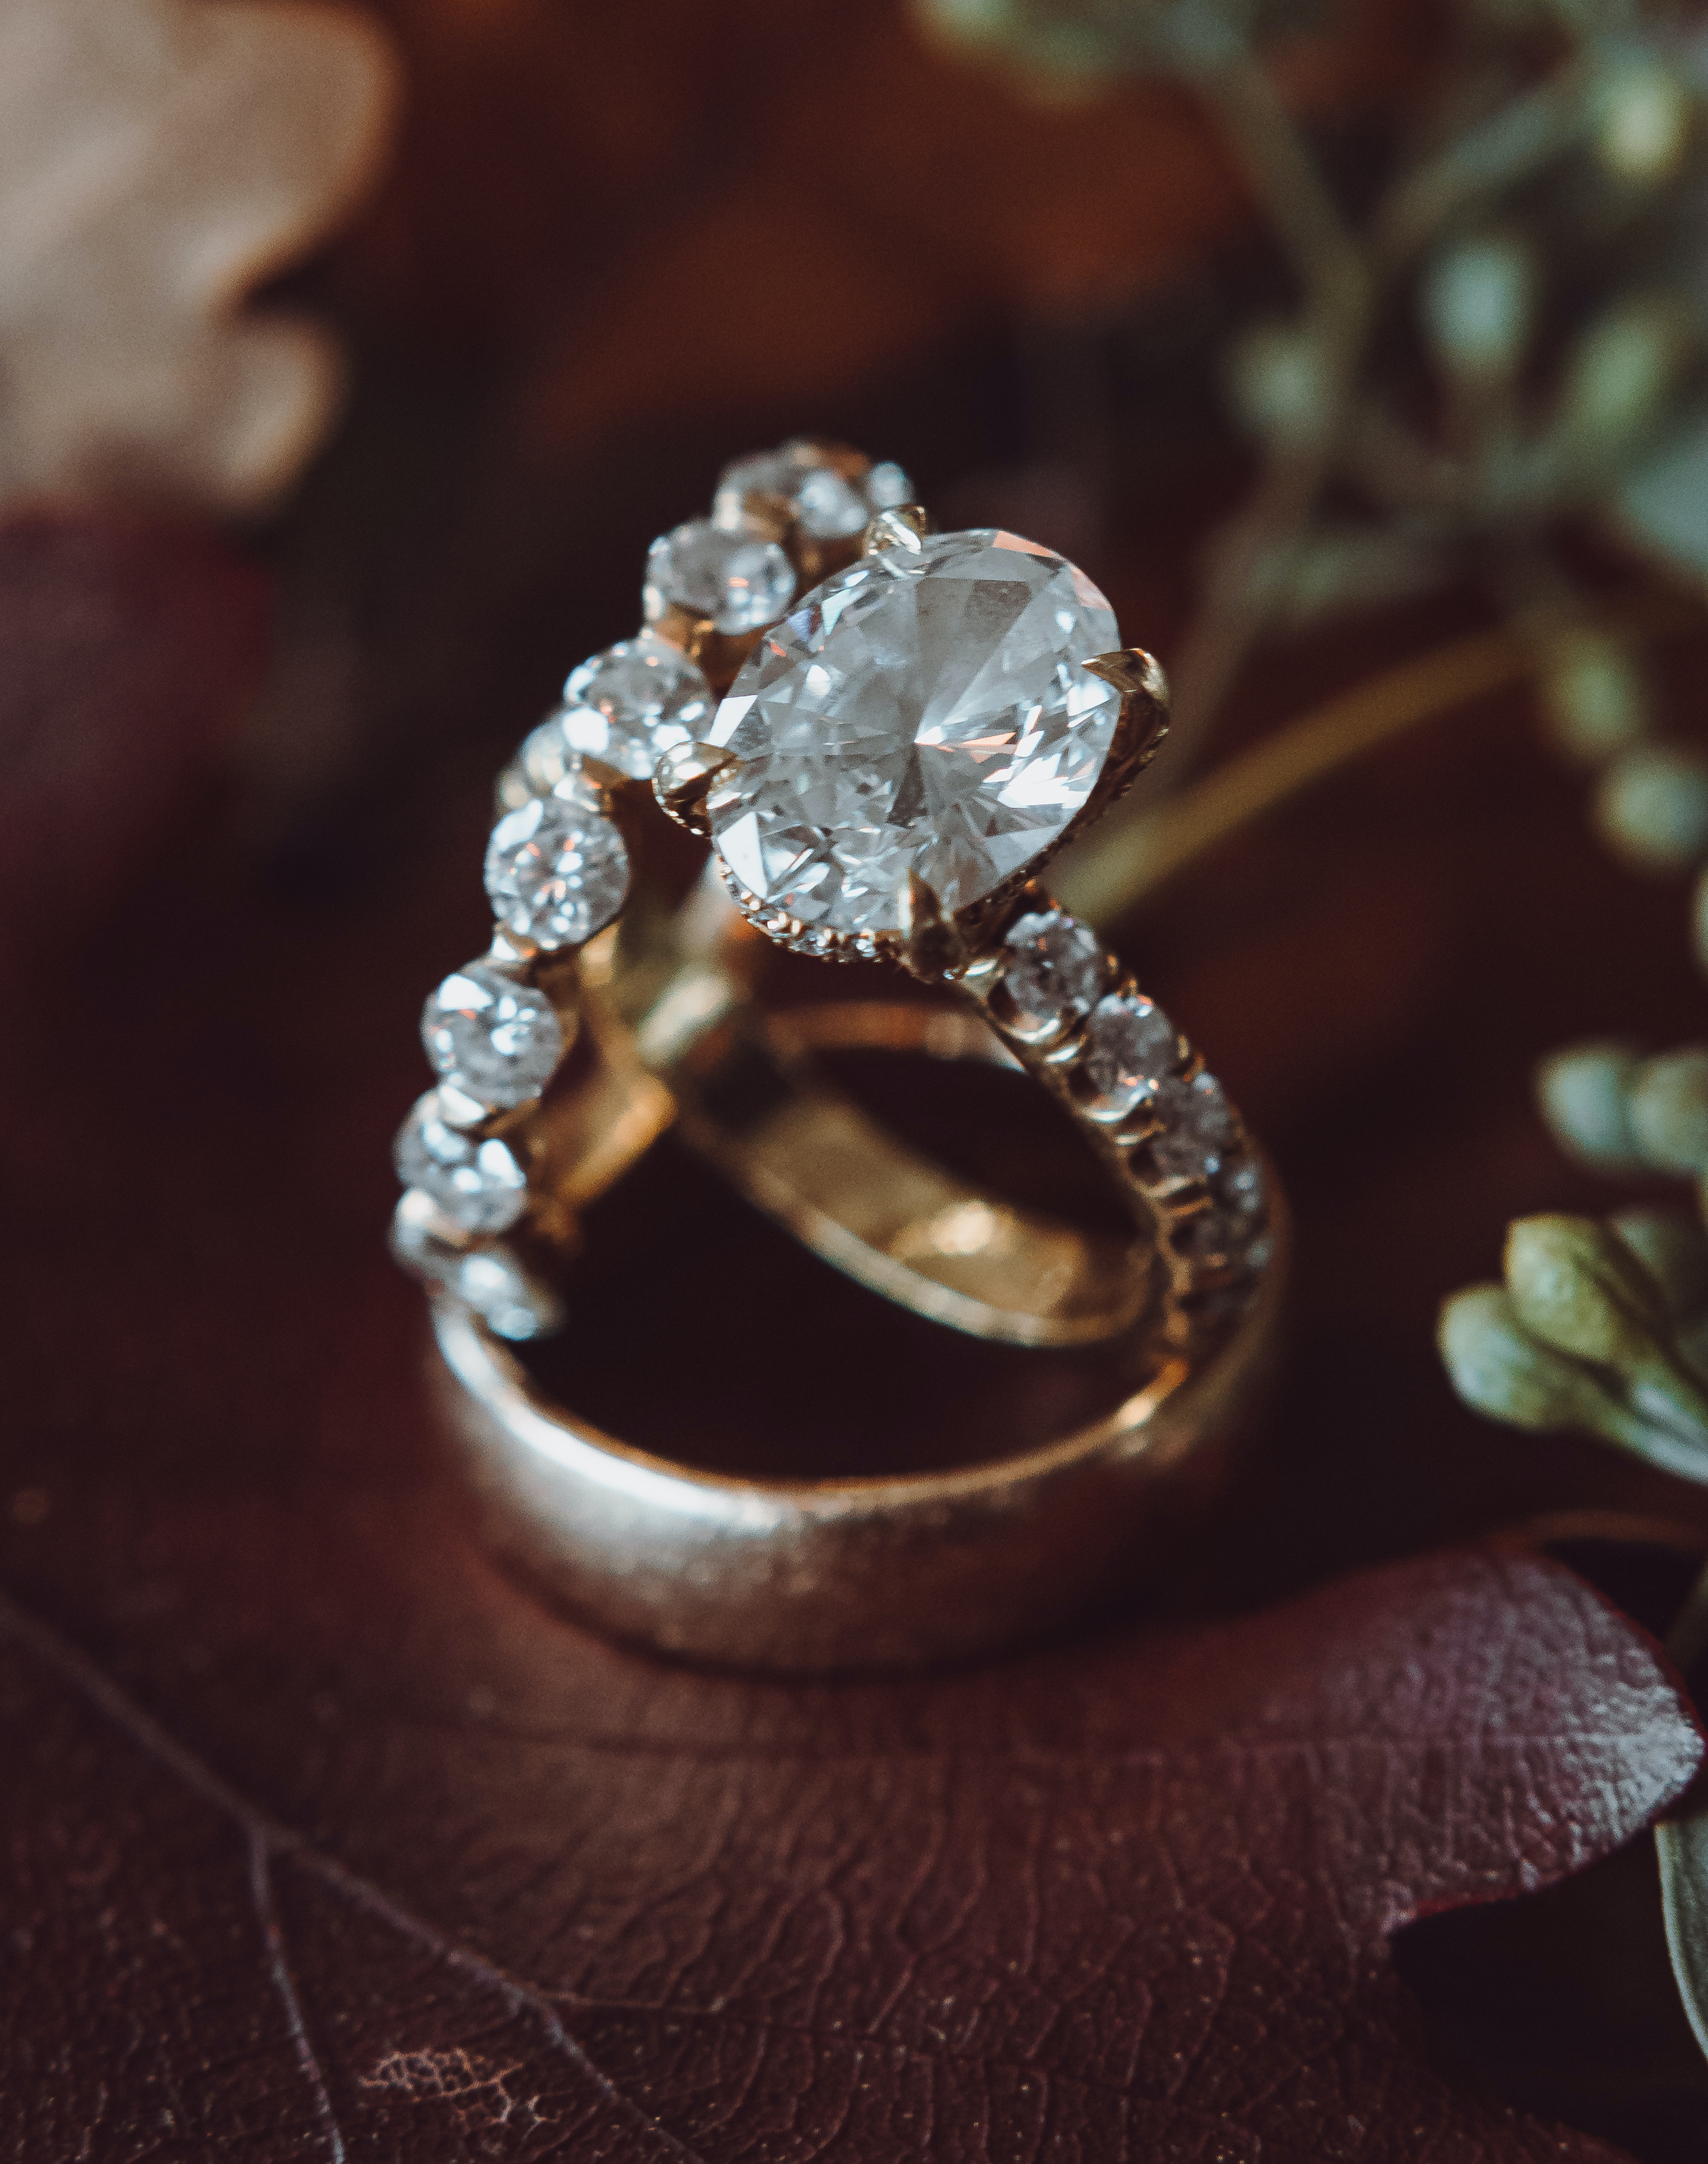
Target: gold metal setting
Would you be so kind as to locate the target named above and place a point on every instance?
(686, 777)
(905, 526)
(665, 1029)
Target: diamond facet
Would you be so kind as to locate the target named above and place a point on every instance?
(633, 702)
(740, 580)
(1055, 975)
(478, 1184)
(499, 1041)
(1130, 1046)
(556, 870)
(922, 711)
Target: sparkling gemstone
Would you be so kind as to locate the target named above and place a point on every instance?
(1198, 1128)
(1130, 1046)
(499, 1041)
(1230, 1229)
(738, 579)
(556, 870)
(829, 505)
(1240, 1190)
(922, 711)
(478, 1184)
(501, 1292)
(423, 1239)
(886, 486)
(545, 759)
(1056, 974)
(632, 702)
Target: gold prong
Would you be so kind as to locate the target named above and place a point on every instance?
(932, 949)
(686, 776)
(1133, 671)
(1138, 677)
(903, 525)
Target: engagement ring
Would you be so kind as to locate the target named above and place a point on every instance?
(883, 765)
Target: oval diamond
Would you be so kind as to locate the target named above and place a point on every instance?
(924, 711)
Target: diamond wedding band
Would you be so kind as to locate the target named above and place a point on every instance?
(882, 762)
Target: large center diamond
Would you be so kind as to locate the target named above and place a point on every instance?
(925, 709)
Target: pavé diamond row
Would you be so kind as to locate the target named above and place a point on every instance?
(1113, 1057)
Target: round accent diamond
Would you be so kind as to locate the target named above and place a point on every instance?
(1240, 1190)
(423, 1239)
(499, 1041)
(923, 710)
(1055, 976)
(511, 1303)
(739, 580)
(544, 760)
(1198, 1128)
(1130, 1046)
(556, 870)
(829, 504)
(478, 1184)
(631, 703)
(886, 486)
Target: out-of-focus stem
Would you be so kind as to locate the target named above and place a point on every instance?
(1249, 557)
(1128, 858)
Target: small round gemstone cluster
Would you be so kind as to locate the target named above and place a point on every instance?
(496, 1031)
(1054, 993)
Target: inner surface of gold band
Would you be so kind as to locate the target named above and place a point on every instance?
(744, 1092)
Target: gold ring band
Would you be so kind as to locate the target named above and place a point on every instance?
(824, 1574)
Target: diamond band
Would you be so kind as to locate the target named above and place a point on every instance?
(881, 773)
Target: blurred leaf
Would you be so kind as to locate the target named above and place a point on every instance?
(158, 159)
(1664, 504)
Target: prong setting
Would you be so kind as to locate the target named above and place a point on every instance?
(933, 949)
(903, 525)
(684, 778)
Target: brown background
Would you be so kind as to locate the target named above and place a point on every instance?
(618, 246)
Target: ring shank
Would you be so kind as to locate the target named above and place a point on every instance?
(817, 1577)
(751, 1101)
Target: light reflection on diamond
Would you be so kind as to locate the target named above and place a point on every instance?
(829, 505)
(556, 870)
(1130, 1046)
(923, 711)
(630, 705)
(477, 1183)
(1055, 976)
(499, 1040)
(740, 580)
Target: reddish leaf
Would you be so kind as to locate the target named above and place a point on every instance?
(467, 1884)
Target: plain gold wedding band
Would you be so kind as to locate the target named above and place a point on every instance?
(821, 1576)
